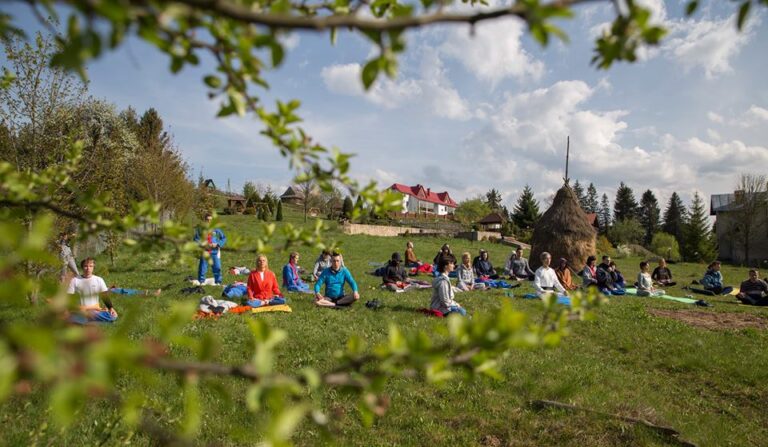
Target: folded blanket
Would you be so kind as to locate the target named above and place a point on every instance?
(210, 305)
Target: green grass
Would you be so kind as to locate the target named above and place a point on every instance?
(710, 385)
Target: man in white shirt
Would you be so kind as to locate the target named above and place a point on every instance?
(545, 280)
(91, 288)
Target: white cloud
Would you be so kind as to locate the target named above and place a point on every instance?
(706, 44)
(290, 40)
(495, 51)
(713, 135)
(757, 113)
(754, 117)
(431, 88)
(715, 117)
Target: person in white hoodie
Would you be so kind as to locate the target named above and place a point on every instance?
(545, 280)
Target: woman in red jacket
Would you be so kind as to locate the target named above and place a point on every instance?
(262, 285)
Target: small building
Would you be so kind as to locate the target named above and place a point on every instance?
(236, 202)
(730, 229)
(491, 222)
(420, 200)
(592, 220)
(292, 195)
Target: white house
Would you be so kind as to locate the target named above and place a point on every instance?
(420, 200)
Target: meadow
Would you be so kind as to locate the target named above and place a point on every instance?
(709, 384)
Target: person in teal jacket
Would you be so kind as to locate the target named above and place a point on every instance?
(334, 278)
(213, 241)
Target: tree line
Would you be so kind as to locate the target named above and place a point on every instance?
(679, 232)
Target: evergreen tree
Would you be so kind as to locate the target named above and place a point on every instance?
(604, 214)
(591, 200)
(699, 246)
(279, 216)
(347, 207)
(526, 212)
(625, 206)
(650, 215)
(579, 191)
(493, 199)
(674, 219)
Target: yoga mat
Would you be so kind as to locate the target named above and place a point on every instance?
(277, 308)
(633, 291)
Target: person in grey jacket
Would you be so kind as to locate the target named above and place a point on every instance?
(520, 268)
(442, 291)
(66, 257)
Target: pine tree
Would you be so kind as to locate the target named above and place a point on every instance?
(591, 200)
(649, 216)
(699, 245)
(675, 217)
(493, 199)
(604, 214)
(526, 212)
(625, 206)
(279, 216)
(347, 207)
(579, 191)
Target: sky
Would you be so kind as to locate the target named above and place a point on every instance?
(470, 112)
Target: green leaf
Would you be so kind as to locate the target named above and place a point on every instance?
(285, 422)
(334, 34)
(743, 13)
(370, 72)
(691, 7)
(192, 408)
(7, 371)
(212, 81)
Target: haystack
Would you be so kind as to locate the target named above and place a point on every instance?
(564, 232)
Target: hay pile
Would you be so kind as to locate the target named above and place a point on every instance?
(564, 232)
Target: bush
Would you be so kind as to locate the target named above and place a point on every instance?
(250, 211)
(666, 246)
(604, 246)
(627, 231)
(227, 211)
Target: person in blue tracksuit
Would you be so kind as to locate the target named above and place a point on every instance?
(334, 278)
(213, 240)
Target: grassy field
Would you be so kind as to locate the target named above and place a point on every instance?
(708, 384)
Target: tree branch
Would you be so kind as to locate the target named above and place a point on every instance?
(243, 14)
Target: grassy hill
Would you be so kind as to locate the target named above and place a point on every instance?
(708, 384)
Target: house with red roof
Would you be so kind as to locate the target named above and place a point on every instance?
(420, 200)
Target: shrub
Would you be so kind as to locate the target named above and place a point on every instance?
(627, 231)
(604, 246)
(666, 246)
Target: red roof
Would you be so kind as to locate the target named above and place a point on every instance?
(591, 218)
(425, 194)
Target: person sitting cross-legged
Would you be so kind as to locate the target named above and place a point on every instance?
(605, 278)
(322, 263)
(262, 285)
(91, 289)
(520, 268)
(545, 279)
(589, 274)
(333, 279)
(466, 275)
(411, 260)
(753, 291)
(662, 274)
(291, 279)
(563, 273)
(645, 283)
(713, 280)
(395, 278)
(442, 290)
(483, 267)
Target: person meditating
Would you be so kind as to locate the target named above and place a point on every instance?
(753, 291)
(262, 285)
(333, 279)
(520, 268)
(91, 289)
(645, 283)
(662, 275)
(545, 279)
(411, 260)
(483, 267)
(291, 279)
(563, 273)
(589, 274)
(442, 290)
(395, 278)
(713, 281)
(466, 275)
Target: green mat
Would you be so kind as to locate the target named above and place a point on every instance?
(633, 291)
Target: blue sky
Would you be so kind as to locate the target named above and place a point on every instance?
(469, 114)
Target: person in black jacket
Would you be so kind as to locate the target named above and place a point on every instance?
(483, 267)
(395, 278)
(662, 274)
(445, 252)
